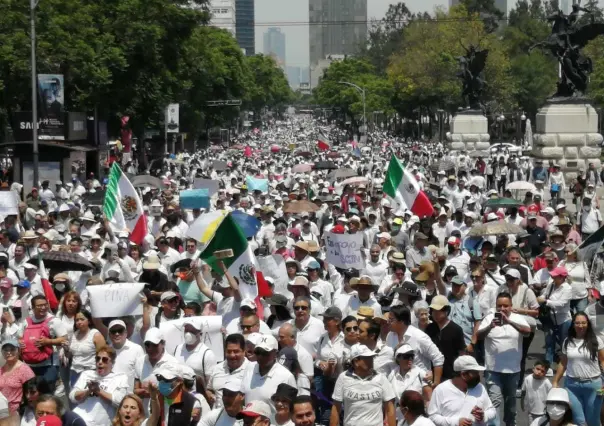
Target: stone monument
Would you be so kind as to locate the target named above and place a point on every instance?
(567, 126)
(470, 128)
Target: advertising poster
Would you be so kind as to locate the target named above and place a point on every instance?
(52, 105)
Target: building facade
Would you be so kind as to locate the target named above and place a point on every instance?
(224, 15)
(337, 27)
(245, 25)
(274, 45)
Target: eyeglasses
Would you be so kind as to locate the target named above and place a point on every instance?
(247, 327)
(406, 357)
(353, 328)
(300, 308)
(163, 379)
(117, 330)
(104, 359)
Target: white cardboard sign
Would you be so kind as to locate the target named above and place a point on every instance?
(115, 300)
(344, 250)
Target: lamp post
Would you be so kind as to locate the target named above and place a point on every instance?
(362, 91)
(500, 119)
(441, 124)
(34, 89)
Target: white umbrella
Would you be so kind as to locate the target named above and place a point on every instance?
(521, 185)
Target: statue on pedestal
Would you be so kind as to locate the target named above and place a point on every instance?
(471, 73)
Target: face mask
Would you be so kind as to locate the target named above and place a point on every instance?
(190, 338)
(164, 388)
(60, 287)
(556, 411)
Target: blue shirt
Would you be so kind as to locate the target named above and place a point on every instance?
(465, 313)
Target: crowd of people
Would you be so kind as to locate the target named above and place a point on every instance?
(435, 329)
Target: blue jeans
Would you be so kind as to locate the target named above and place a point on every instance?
(578, 305)
(73, 378)
(50, 373)
(585, 401)
(555, 335)
(501, 388)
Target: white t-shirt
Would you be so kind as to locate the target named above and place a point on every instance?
(227, 307)
(580, 365)
(201, 359)
(126, 358)
(449, 404)
(96, 411)
(536, 394)
(363, 399)
(309, 336)
(220, 375)
(261, 388)
(503, 345)
(218, 417)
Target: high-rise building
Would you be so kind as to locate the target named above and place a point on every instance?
(274, 45)
(223, 15)
(245, 24)
(337, 27)
(293, 77)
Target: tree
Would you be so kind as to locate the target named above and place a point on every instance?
(487, 11)
(268, 86)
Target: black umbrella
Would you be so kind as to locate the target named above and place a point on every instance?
(65, 261)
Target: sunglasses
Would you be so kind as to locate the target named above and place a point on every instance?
(163, 379)
(173, 300)
(247, 327)
(406, 357)
(353, 328)
(117, 330)
(104, 359)
(300, 308)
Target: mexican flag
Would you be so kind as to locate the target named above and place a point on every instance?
(123, 207)
(219, 231)
(323, 144)
(404, 189)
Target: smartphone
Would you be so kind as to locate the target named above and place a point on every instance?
(498, 318)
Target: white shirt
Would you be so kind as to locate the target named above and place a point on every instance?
(354, 303)
(261, 388)
(412, 380)
(234, 327)
(145, 372)
(363, 399)
(218, 417)
(449, 404)
(201, 359)
(94, 410)
(308, 337)
(227, 307)
(219, 376)
(169, 258)
(503, 344)
(427, 353)
(580, 365)
(305, 359)
(536, 394)
(559, 301)
(590, 221)
(376, 271)
(126, 358)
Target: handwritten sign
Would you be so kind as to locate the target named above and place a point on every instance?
(174, 334)
(9, 204)
(209, 184)
(344, 250)
(274, 266)
(115, 300)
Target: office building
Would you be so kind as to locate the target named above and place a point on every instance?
(337, 27)
(223, 15)
(274, 45)
(244, 22)
(293, 77)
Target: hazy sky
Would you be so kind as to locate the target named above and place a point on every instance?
(284, 13)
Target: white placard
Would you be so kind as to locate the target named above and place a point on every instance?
(9, 203)
(115, 300)
(344, 250)
(211, 185)
(274, 266)
(174, 334)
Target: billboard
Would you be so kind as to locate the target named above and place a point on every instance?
(77, 126)
(52, 105)
(172, 118)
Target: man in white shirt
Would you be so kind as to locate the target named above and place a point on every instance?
(376, 267)
(167, 255)
(127, 352)
(590, 219)
(503, 332)
(260, 379)
(462, 400)
(231, 369)
(288, 338)
(194, 352)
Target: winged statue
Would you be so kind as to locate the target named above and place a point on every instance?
(566, 41)
(471, 74)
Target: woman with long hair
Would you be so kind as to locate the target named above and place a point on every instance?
(135, 254)
(558, 411)
(32, 390)
(582, 358)
(579, 278)
(413, 409)
(70, 305)
(84, 343)
(131, 411)
(13, 375)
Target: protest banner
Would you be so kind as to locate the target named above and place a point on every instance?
(9, 204)
(115, 300)
(211, 185)
(211, 335)
(274, 266)
(195, 199)
(344, 250)
(254, 184)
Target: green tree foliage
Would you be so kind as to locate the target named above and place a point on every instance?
(268, 86)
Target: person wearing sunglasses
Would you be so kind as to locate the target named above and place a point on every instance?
(409, 377)
(247, 317)
(309, 329)
(98, 392)
(260, 380)
(127, 352)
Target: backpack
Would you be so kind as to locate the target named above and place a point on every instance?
(34, 331)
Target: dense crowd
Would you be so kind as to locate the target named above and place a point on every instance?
(433, 330)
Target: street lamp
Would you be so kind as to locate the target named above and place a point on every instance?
(34, 89)
(362, 91)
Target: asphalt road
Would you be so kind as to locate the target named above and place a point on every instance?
(536, 351)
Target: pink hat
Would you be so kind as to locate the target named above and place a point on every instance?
(559, 271)
(6, 283)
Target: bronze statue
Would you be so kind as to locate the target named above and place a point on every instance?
(471, 73)
(565, 42)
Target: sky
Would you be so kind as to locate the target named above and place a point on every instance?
(271, 13)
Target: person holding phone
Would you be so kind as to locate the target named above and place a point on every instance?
(503, 332)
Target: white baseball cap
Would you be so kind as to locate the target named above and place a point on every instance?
(247, 303)
(154, 335)
(467, 363)
(268, 343)
(404, 349)
(253, 338)
(116, 322)
(169, 370)
(358, 350)
(232, 385)
(255, 409)
(513, 273)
